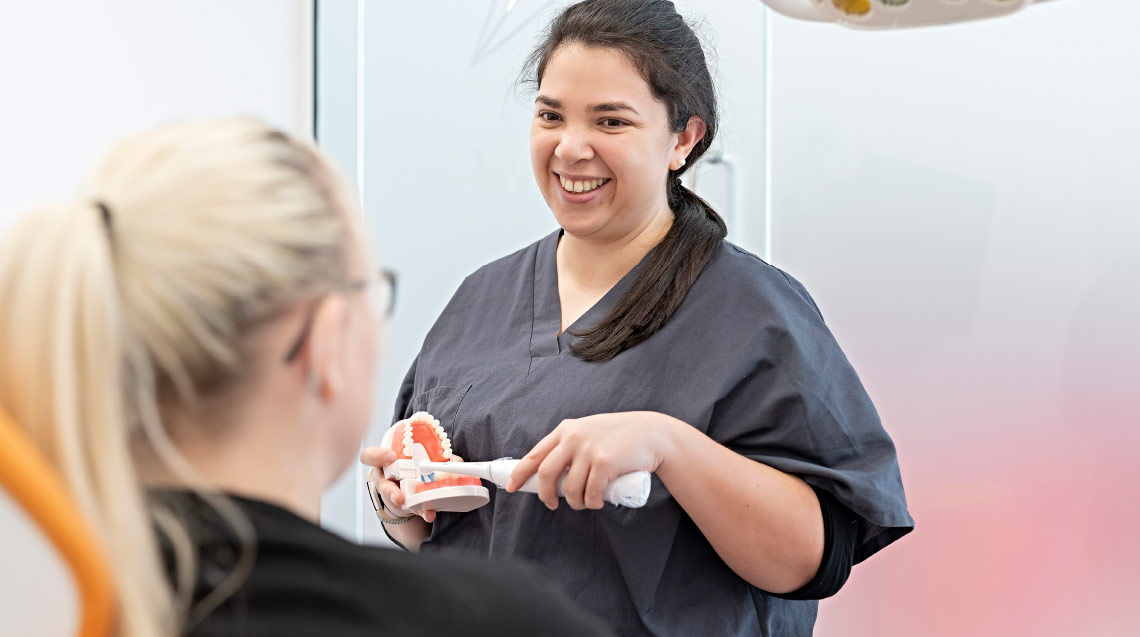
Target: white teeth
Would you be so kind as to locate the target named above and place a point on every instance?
(581, 186)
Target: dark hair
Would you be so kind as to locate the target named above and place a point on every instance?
(659, 42)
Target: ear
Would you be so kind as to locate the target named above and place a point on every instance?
(326, 366)
(694, 132)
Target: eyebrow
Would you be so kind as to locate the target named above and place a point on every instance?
(605, 107)
(610, 107)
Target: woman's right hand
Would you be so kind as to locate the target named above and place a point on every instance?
(378, 457)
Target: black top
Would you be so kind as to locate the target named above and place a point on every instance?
(309, 582)
(840, 532)
(746, 359)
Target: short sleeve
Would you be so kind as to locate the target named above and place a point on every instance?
(801, 408)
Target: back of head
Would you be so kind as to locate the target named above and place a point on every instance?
(135, 300)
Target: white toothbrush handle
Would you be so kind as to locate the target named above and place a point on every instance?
(627, 490)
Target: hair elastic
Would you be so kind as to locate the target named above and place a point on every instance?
(106, 215)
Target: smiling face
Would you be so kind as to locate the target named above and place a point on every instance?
(600, 145)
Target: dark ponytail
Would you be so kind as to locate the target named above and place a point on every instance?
(659, 42)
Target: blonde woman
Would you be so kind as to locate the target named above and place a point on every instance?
(192, 341)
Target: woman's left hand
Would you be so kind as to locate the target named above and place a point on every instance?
(596, 449)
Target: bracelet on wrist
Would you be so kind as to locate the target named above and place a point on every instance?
(392, 521)
(381, 510)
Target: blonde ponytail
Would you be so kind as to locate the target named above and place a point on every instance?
(61, 377)
(112, 323)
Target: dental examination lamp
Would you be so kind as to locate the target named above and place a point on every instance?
(895, 14)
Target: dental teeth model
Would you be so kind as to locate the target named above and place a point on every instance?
(421, 439)
(432, 479)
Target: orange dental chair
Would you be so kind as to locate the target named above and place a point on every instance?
(54, 579)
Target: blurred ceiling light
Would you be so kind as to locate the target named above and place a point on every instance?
(895, 14)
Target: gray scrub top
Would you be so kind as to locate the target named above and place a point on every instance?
(746, 359)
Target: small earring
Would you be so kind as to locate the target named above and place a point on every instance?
(680, 162)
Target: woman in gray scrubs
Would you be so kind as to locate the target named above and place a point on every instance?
(636, 338)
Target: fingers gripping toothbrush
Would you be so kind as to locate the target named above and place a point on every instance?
(627, 490)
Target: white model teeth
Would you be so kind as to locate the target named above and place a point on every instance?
(424, 417)
(570, 185)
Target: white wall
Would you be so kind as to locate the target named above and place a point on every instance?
(76, 75)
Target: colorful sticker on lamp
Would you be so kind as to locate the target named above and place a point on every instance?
(853, 7)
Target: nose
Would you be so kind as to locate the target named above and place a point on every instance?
(573, 146)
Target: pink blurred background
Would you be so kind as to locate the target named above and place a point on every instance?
(963, 203)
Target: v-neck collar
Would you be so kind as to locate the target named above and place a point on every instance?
(544, 337)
